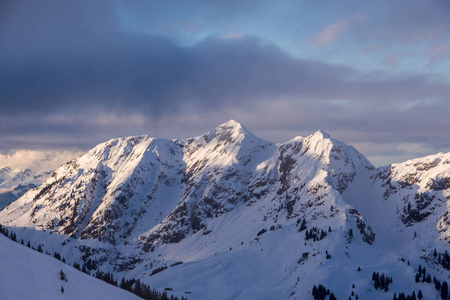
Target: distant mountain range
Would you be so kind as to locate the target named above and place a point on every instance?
(228, 215)
(25, 170)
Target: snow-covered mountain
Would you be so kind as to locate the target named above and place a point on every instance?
(228, 215)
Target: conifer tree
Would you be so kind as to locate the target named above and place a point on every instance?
(137, 288)
(84, 269)
(62, 275)
(303, 225)
(444, 290)
(437, 285)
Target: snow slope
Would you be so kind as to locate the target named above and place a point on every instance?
(28, 274)
(221, 215)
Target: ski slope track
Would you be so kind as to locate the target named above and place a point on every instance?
(223, 215)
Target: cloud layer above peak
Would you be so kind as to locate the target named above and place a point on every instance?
(75, 74)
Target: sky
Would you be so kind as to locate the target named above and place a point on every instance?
(373, 74)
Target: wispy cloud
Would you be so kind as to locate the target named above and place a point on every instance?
(42, 160)
(234, 35)
(391, 59)
(332, 32)
(438, 53)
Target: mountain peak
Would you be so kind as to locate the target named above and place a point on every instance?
(322, 133)
(232, 125)
(230, 129)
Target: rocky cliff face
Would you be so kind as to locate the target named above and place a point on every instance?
(135, 205)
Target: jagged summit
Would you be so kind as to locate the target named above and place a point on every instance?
(232, 125)
(322, 134)
(230, 131)
(138, 205)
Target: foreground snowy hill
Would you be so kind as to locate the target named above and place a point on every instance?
(228, 215)
(27, 274)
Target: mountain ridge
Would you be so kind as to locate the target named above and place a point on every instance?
(137, 204)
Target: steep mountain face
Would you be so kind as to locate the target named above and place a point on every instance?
(229, 215)
(419, 188)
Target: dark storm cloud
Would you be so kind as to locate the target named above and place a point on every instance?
(152, 74)
(60, 57)
(73, 76)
